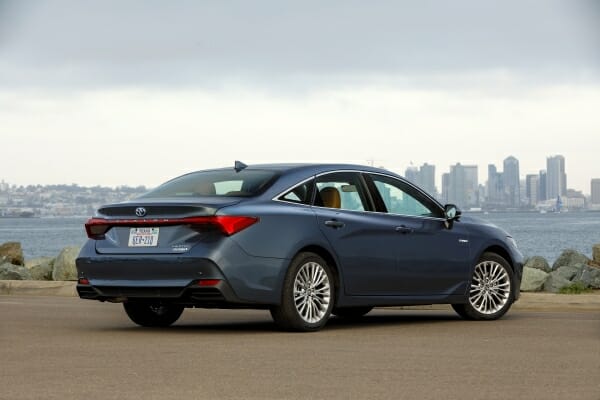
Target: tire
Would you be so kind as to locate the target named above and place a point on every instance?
(491, 291)
(351, 312)
(152, 314)
(308, 295)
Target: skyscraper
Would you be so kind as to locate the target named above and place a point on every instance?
(463, 186)
(494, 186)
(412, 174)
(556, 178)
(512, 186)
(531, 188)
(427, 178)
(595, 192)
(542, 191)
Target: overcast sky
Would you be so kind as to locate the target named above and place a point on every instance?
(136, 92)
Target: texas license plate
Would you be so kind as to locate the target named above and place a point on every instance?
(143, 237)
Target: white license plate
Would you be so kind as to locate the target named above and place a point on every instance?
(143, 237)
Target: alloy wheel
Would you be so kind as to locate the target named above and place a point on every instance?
(490, 287)
(312, 292)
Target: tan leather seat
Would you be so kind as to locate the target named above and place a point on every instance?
(331, 197)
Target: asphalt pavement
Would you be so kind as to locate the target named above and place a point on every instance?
(68, 348)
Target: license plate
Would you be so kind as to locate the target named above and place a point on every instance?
(143, 237)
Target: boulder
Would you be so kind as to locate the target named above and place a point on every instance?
(40, 268)
(589, 277)
(538, 262)
(533, 279)
(12, 252)
(555, 282)
(569, 258)
(14, 272)
(64, 265)
(37, 261)
(596, 253)
(569, 273)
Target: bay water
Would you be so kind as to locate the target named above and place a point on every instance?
(545, 235)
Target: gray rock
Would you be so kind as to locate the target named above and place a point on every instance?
(538, 262)
(40, 268)
(37, 261)
(596, 253)
(64, 265)
(14, 272)
(533, 279)
(12, 252)
(569, 258)
(43, 271)
(555, 282)
(569, 273)
(589, 277)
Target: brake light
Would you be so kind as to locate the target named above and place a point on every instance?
(96, 228)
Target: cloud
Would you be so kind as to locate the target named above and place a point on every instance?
(208, 44)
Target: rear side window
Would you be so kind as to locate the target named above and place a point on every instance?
(301, 194)
(227, 183)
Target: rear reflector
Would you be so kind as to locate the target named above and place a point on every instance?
(83, 281)
(96, 228)
(208, 282)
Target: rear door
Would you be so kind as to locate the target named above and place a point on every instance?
(363, 243)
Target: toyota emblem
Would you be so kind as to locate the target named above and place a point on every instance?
(140, 211)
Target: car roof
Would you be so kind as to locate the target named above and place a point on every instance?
(312, 167)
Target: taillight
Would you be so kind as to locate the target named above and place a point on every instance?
(96, 228)
(230, 224)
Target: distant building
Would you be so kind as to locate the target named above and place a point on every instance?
(542, 189)
(512, 185)
(494, 187)
(595, 199)
(556, 178)
(412, 174)
(463, 186)
(444, 198)
(532, 185)
(427, 178)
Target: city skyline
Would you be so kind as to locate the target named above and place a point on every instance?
(169, 88)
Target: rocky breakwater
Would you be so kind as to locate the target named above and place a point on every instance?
(570, 270)
(13, 265)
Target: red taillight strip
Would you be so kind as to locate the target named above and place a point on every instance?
(228, 224)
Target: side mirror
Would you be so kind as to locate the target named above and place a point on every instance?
(452, 212)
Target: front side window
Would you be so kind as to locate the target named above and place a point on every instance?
(403, 199)
(343, 190)
(228, 183)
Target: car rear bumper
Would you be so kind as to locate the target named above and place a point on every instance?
(242, 279)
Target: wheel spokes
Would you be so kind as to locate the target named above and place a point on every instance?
(490, 287)
(312, 292)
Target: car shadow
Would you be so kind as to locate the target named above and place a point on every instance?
(260, 324)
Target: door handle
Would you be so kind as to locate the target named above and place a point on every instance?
(403, 229)
(334, 223)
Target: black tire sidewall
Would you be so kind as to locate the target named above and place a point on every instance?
(286, 315)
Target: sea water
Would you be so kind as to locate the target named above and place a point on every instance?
(545, 235)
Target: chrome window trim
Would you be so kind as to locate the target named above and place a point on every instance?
(289, 189)
(276, 198)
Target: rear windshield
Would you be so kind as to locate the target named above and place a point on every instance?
(245, 183)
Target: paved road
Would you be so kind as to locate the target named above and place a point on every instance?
(66, 348)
